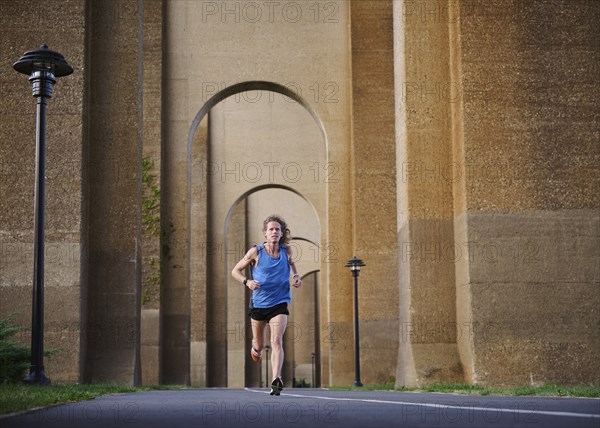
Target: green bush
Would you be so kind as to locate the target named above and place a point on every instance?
(14, 356)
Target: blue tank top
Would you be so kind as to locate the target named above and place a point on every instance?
(274, 277)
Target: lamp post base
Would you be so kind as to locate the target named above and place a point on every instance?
(357, 383)
(37, 378)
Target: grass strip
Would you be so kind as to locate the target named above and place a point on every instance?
(586, 391)
(19, 397)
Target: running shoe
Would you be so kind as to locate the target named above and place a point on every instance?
(256, 356)
(276, 386)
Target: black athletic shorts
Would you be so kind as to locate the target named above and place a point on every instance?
(265, 314)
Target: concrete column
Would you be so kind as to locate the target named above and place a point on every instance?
(304, 330)
(151, 168)
(237, 313)
(424, 98)
(374, 178)
(176, 343)
(112, 221)
(217, 279)
(199, 249)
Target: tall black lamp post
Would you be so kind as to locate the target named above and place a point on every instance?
(355, 264)
(42, 66)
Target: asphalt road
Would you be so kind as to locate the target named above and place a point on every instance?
(216, 407)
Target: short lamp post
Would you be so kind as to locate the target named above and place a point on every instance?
(355, 264)
(267, 349)
(42, 66)
(313, 356)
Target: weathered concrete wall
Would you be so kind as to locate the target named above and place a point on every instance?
(527, 205)
(26, 25)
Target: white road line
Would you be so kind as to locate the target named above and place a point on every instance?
(454, 406)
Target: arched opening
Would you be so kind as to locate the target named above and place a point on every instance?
(217, 183)
(302, 339)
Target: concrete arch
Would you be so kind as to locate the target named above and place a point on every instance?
(192, 149)
(257, 189)
(310, 272)
(227, 92)
(299, 238)
(256, 85)
(311, 242)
